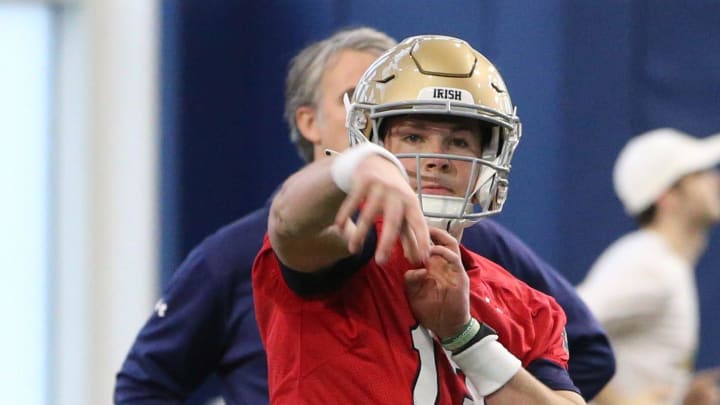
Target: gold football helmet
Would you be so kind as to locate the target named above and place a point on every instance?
(441, 75)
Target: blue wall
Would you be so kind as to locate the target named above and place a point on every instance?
(585, 76)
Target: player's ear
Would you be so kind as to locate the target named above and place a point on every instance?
(306, 118)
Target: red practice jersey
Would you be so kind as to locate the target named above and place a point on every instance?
(359, 342)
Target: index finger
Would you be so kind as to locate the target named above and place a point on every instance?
(448, 255)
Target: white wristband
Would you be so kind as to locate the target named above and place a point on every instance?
(343, 168)
(488, 364)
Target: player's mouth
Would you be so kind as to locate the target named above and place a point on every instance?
(436, 189)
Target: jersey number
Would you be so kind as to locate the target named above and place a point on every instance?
(425, 391)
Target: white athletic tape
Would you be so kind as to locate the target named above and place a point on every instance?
(488, 364)
(343, 168)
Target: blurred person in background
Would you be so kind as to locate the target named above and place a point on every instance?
(642, 287)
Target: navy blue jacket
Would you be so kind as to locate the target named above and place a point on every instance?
(208, 322)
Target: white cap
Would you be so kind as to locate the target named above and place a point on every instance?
(652, 162)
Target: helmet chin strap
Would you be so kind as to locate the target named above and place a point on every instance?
(453, 226)
(451, 208)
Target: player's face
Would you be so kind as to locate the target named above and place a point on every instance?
(700, 193)
(341, 75)
(440, 176)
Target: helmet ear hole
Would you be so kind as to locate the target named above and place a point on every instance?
(491, 142)
(383, 126)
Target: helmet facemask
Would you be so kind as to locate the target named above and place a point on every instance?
(469, 87)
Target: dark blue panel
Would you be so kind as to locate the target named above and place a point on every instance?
(527, 38)
(599, 110)
(234, 149)
(708, 278)
(680, 74)
(470, 20)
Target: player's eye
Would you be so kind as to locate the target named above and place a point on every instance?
(412, 138)
(459, 143)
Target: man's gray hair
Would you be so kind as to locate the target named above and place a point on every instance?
(302, 87)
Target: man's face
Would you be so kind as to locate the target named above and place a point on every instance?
(427, 135)
(341, 76)
(700, 194)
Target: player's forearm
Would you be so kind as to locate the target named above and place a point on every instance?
(307, 202)
(523, 388)
(301, 217)
(498, 375)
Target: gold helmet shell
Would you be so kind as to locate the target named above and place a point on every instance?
(440, 75)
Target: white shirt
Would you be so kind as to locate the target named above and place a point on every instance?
(646, 298)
